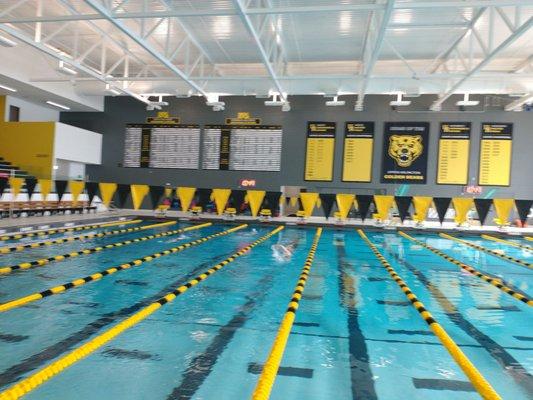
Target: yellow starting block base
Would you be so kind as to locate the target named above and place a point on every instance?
(301, 217)
(265, 215)
(230, 213)
(195, 212)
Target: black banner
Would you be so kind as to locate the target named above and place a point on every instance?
(405, 152)
(236, 199)
(271, 201)
(523, 207)
(92, 188)
(496, 131)
(403, 203)
(359, 130)
(30, 186)
(442, 204)
(482, 208)
(327, 200)
(61, 187)
(455, 130)
(123, 192)
(156, 192)
(3, 185)
(363, 204)
(145, 147)
(203, 196)
(225, 138)
(321, 130)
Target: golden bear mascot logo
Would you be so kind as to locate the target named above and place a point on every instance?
(405, 148)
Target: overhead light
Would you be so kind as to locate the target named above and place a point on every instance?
(399, 102)
(65, 69)
(335, 102)
(57, 105)
(466, 102)
(286, 107)
(7, 42)
(111, 89)
(9, 89)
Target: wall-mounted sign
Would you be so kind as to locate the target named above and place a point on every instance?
(472, 189)
(454, 151)
(405, 152)
(163, 117)
(358, 149)
(242, 147)
(496, 154)
(247, 183)
(243, 118)
(320, 151)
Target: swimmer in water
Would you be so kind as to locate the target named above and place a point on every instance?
(283, 252)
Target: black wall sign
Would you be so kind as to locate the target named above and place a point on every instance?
(405, 152)
(225, 137)
(145, 147)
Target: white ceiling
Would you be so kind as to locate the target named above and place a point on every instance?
(260, 46)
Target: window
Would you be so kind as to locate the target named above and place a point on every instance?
(14, 114)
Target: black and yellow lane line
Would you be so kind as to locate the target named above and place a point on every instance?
(530, 238)
(271, 366)
(500, 284)
(112, 270)
(479, 382)
(44, 261)
(507, 242)
(20, 235)
(28, 384)
(20, 247)
(488, 251)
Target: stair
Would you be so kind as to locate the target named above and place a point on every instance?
(7, 169)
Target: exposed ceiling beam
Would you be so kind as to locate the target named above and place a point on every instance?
(369, 67)
(275, 10)
(80, 67)
(506, 43)
(266, 61)
(145, 45)
(518, 103)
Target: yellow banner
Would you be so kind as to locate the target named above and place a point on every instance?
(255, 199)
(107, 190)
(221, 197)
(421, 204)
(76, 188)
(309, 200)
(344, 204)
(503, 209)
(383, 205)
(185, 194)
(16, 186)
(45, 186)
(168, 192)
(293, 201)
(461, 206)
(138, 193)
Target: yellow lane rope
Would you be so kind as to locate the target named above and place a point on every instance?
(110, 271)
(28, 384)
(34, 245)
(16, 236)
(270, 369)
(530, 238)
(482, 386)
(489, 251)
(44, 261)
(508, 242)
(493, 281)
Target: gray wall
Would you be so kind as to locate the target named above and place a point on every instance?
(122, 110)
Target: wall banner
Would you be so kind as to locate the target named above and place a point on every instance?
(358, 149)
(495, 154)
(320, 151)
(454, 151)
(405, 152)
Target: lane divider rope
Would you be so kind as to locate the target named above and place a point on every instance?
(508, 242)
(489, 251)
(44, 261)
(110, 271)
(530, 238)
(4, 250)
(479, 382)
(493, 281)
(16, 236)
(270, 369)
(30, 383)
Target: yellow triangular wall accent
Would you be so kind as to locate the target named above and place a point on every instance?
(138, 193)
(185, 194)
(344, 204)
(503, 209)
(16, 186)
(461, 206)
(309, 201)
(255, 199)
(107, 190)
(383, 205)
(76, 188)
(421, 204)
(221, 197)
(45, 186)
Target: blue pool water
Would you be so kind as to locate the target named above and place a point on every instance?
(355, 335)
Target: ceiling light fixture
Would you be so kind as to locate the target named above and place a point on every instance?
(65, 69)
(52, 103)
(466, 102)
(335, 102)
(9, 89)
(399, 102)
(276, 102)
(7, 42)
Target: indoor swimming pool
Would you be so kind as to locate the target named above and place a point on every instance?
(95, 322)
